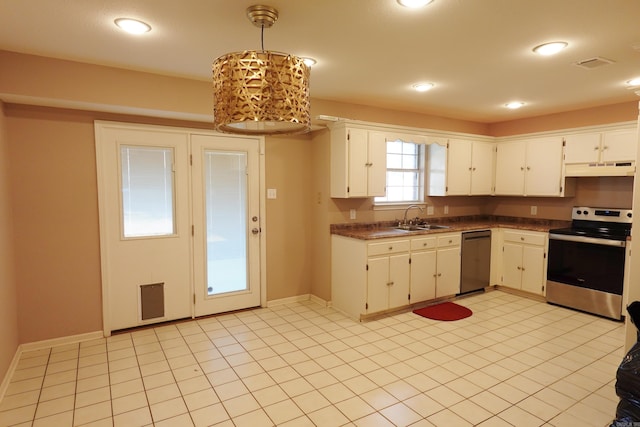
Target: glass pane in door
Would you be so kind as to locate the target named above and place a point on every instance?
(147, 191)
(226, 221)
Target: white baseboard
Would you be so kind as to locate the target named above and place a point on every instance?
(319, 301)
(288, 300)
(38, 345)
(298, 298)
(7, 378)
(54, 342)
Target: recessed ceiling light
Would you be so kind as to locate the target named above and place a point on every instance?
(422, 87)
(634, 82)
(550, 48)
(310, 62)
(133, 26)
(514, 105)
(414, 4)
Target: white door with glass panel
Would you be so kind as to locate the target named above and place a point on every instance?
(176, 239)
(227, 223)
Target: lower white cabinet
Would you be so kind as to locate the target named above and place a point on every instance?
(369, 277)
(524, 260)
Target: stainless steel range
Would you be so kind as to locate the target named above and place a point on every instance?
(586, 261)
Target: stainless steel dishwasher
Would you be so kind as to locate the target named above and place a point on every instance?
(476, 260)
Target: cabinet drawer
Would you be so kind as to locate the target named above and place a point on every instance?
(389, 247)
(523, 237)
(449, 240)
(423, 243)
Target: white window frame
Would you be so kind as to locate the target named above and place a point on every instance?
(420, 171)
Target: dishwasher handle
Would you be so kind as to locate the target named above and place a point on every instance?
(474, 235)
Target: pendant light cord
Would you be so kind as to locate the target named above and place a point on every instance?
(262, 37)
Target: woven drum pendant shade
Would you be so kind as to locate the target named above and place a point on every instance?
(261, 93)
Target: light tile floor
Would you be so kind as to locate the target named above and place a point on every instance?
(515, 362)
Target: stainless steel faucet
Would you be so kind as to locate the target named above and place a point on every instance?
(407, 210)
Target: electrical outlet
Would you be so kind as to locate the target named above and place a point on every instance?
(446, 209)
(352, 213)
(429, 210)
(271, 193)
(534, 210)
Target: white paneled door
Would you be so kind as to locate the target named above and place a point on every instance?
(180, 223)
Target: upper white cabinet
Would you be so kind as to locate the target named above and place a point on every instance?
(358, 162)
(530, 167)
(464, 168)
(609, 153)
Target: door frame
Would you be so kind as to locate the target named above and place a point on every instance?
(99, 125)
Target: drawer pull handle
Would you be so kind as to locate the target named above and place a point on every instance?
(424, 244)
(390, 248)
(450, 241)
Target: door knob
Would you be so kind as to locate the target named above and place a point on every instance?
(255, 230)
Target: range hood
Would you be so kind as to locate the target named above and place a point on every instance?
(601, 169)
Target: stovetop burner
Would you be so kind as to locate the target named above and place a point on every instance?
(600, 223)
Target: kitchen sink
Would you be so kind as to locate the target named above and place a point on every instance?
(423, 227)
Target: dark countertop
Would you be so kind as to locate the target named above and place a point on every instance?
(385, 229)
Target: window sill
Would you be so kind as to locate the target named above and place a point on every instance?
(397, 206)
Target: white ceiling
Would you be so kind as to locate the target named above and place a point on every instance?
(370, 52)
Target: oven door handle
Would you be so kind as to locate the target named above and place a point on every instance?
(583, 239)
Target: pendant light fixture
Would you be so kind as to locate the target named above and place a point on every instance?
(261, 92)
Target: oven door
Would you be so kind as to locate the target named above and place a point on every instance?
(586, 273)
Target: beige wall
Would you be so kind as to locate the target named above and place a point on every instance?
(56, 243)
(627, 111)
(9, 334)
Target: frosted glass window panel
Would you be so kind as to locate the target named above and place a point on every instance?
(148, 192)
(226, 221)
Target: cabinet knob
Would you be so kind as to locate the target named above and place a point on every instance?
(470, 168)
(424, 244)
(605, 147)
(519, 268)
(450, 241)
(522, 268)
(390, 248)
(528, 168)
(596, 148)
(390, 284)
(521, 168)
(473, 169)
(522, 238)
(435, 275)
(439, 274)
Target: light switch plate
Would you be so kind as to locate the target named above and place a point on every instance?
(534, 210)
(271, 193)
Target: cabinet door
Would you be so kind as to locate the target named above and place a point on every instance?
(533, 269)
(510, 165)
(482, 168)
(619, 145)
(582, 148)
(512, 265)
(399, 271)
(458, 167)
(376, 165)
(377, 284)
(423, 276)
(544, 167)
(358, 162)
(448, 271)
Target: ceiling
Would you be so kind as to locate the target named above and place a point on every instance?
(370, 52)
